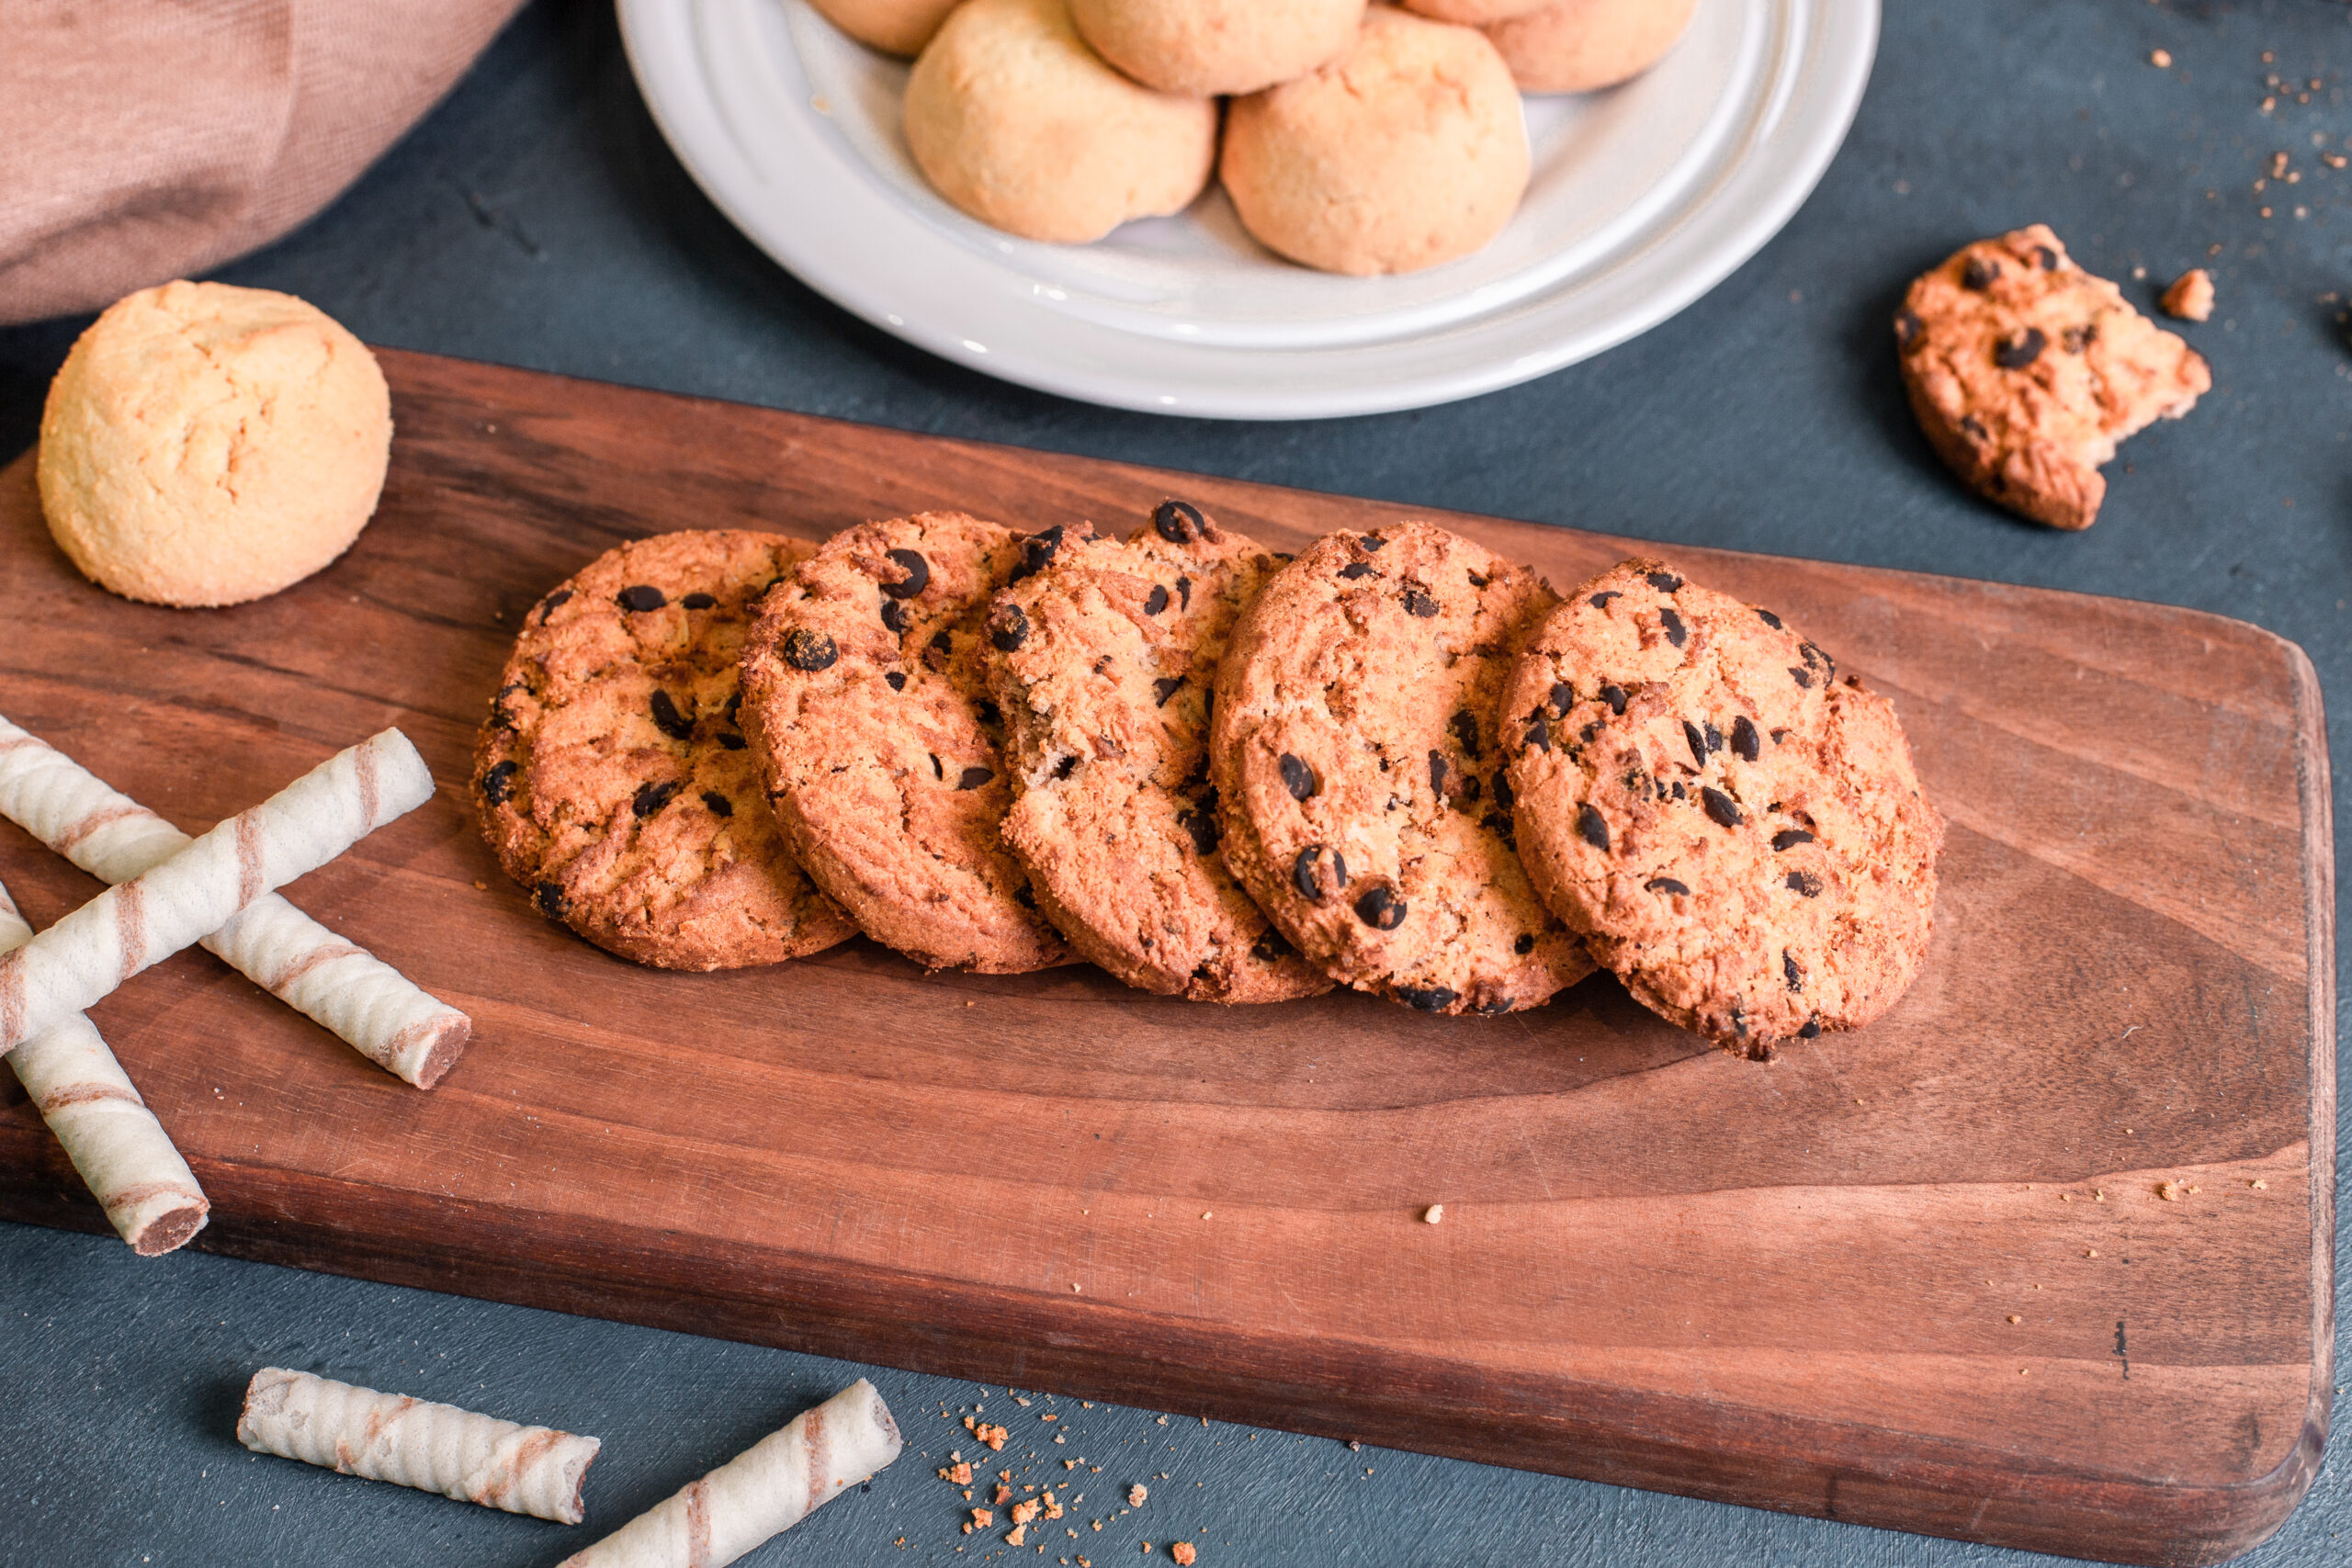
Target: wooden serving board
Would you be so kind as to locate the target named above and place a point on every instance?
(1919, 1277)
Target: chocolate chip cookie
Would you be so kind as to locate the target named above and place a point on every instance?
(1737, 829)
(1355, 756)
(2025, 372)
(1103, 664)
(613, 779)
(880, 748)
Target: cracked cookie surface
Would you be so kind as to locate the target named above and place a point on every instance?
(1104, 665)
(1354, 754)
(1737, 831)
(2025, 371)
(612, 779)
(879, 747)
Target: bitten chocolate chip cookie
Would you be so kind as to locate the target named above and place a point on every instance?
(1355, 759)
(613, 780)
(2025, 372)
(881, 752)
(1738, 832)
(1103, 664)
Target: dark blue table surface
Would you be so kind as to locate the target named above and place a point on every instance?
(537, 219)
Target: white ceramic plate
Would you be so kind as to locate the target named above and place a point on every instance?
(1643, 198)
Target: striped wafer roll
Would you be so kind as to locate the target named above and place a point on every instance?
(370, 1005)
(413, 1442)
(128, 928)
(129, 1163)
(769, 1487)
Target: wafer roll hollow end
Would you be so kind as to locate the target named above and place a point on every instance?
(413, 1442)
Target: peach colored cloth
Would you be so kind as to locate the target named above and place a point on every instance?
(147, 140)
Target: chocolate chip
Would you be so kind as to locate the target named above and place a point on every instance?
(1157, 601)
(895, 680)
(1804, 882)
(1008, 627)
(1356, 568)
(652, 797)
(1814, 658)
(1664, 582)
(894, 615)
(1811, 1031)
(553, 602)
(1270, 946)
(669, 720)
(1299, 779)
(1503, 796)
(1373, 542)
(498, 784)
(812, 652)
(1720, 806)
(2017, 352)
(1779, 735)
(1562, 699)
(1675, 631)
(1601, 601)
(1979, 274)
(973, 778)
(1437, 773)
(1419, 603)
(1589, 734)
(1973, 426)
(1789, 967)
(1318, 873)
(1908, 327)
(1465, 730)
(1380, 909)
(729, 742)
(1165, 688)
(1538, 735)
(1614, 695)
(1427, 999)
(1698, 743)
(1478, 581)
(1468, 787)
(1665, 885)
(699, 601)
(1500, 825)
(1803, 677)
(1525, 944)
(917, 576)
(550, 900)
(1177, 522)
(1184, 592)
(2049, 257)
(1591, 829)
(1770, 619)
(1790, 837)
(1037, 550)
(643, 598)
(719, 805)
(1745, 741)
(1066, 767)
(938, 767)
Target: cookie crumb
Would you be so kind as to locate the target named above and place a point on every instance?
(1181, 1553)
(2168, 1191)
(2161, 58)
(1016, 1537)
(2015, 1318)
(2190, 298)
(2259, 1185)
(1433, 1213)
(1136, 1493)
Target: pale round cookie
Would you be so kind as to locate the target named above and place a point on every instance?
(1016, 120)
(1103, 664)
(879, 747)
(1211, 48)
(894, 27)
(612, 777)
(1737, 831)
(1578, 46)
(1355, 759)
(1407, 151)
(1473, 13)
(204, 445)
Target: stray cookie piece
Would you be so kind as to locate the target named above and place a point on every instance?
(1106, 706)
(1409, 150)
(1737, 830)
(612, 774)
(2025, 371)
(881, 752)
(1212, 47)
(2190, 297)
(1579, 46)
(1016, 120)
(1355, 756)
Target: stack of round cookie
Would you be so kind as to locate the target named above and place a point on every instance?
(1357, 138)
(1393, 762)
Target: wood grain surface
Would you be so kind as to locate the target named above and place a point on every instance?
(1919, 1277)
